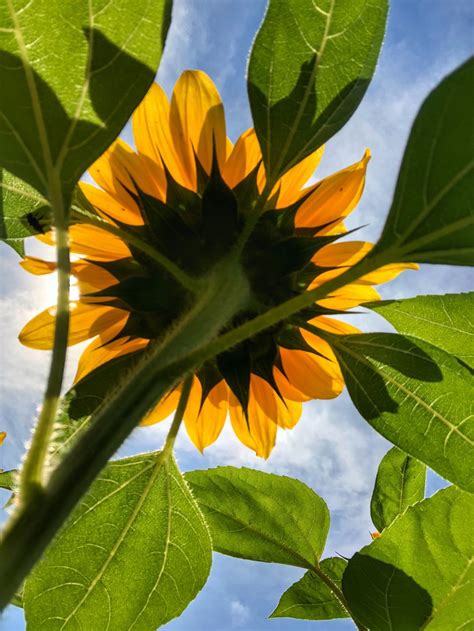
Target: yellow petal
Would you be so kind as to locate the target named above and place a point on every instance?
(292, 182)
(316, 377)
(197, 121)
(99, 352)
(3, 435)
(153, 138)
(108, 206)
(204, 423)
(334, 197)
(86, 321)
(97, 244)
(349, 296)
(256, 431)
(244, 158)
(334, 326)
(37, 266)
(343, 254)
(119, 167)
(287, 389)
(267, 402)
(386, 273)
(91, 278)
(165, 407)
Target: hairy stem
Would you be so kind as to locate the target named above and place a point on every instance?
(32, 476)
(194, 340)
(178, 416)
(186, 281)
(337, 593)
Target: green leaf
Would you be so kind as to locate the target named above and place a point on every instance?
(261, 516)
(418, 574)
(19, 204)
(7, 479)
(134, 553)
(444, 321)
(415, 395)
(400, 483)
(71, 74)
(310, 598)
(310, 66)
(432, 217)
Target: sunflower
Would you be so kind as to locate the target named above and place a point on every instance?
(187, 191)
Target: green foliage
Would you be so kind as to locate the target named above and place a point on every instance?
(310, 598)
(400, 483)
(431, 219)
(414, 394)
(444, 321)
(134, 553)
(7, 479)
(418, 574)
(77, 71)
(310, 66)
(20, 206)
(261, 516)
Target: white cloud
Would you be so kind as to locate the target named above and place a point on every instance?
(240, 614)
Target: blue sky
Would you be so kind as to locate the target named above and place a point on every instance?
(332, 449)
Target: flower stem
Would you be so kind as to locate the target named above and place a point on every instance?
(32, 476)
(192, 341)
(186, 281)
(337, 593)
(178, 415)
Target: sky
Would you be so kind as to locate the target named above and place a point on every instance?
(332, 449)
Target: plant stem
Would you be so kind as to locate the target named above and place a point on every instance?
(337, 593)
(178, 415)
(32, 476)
(192, 341)
(186, 281)
(36, 522)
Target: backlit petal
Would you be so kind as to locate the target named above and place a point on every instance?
(244, 158)
(100, 352)
(109, 206)
(153, 138)
(197, 121)
(165, 407)
(37, 266)
(86, 321)
(256, 431)
(284, 413)
(204, 423)
(334, 197)
(292, 182)
(316, 377)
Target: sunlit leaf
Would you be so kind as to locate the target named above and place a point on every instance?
(71, 74)
(134, 553)
(432, 215)
(400, 483)
(261, 516)
(19, 208)
(7, 479)
(445, 321)
(309, 69)
(419, 573)
(415, 395)
(310, 598)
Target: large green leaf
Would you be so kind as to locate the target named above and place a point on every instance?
(310, 66)
(310, 598)
(134, 553)
(445, 321)
(71, 75)
(419, 573)
(400, 482)
(261, 516)
(432, 215)
(415, 395)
